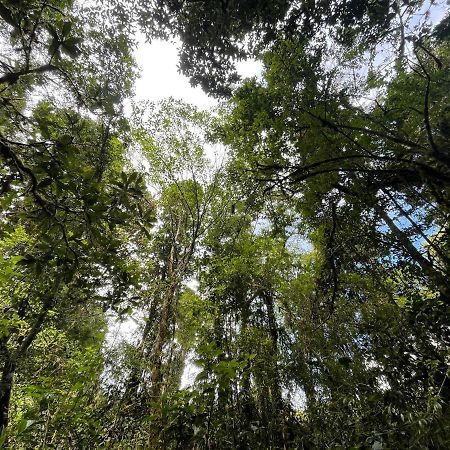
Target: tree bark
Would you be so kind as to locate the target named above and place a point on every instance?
(6, 383)
(156, 355)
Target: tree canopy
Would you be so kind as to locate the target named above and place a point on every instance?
(281, 263)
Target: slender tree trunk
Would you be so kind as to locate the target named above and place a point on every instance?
(424, 264)
(401, 50)
(273, 331)
(161, 338)
(280, 432)
(177, 265)
(248, 404)
(5, 391)
(427, 267)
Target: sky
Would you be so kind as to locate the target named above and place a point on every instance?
(160, 78)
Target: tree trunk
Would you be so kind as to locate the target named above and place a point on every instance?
(161, 338)
(273, 331)
(5, 391)
(279, 432)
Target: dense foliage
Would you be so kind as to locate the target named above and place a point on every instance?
(290, 292)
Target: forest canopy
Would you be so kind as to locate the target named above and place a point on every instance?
(300, 275)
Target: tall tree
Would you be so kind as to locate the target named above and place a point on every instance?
(172, 151)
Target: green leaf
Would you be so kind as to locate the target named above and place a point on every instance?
(66, 27)
(65, 139)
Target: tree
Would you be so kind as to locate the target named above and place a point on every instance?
(303, 136)
(57, 182)
(171, 145)
(369, 184)
(305, 279)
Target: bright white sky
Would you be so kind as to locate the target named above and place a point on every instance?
(160, 78)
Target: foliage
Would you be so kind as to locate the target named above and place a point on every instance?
(215, 34)
(303, 280)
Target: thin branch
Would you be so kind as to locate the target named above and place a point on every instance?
(426, 110)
